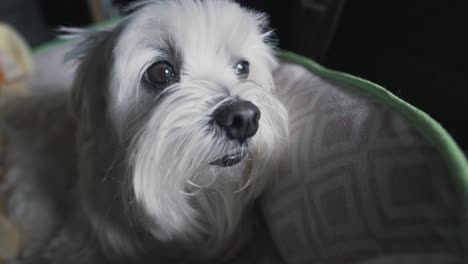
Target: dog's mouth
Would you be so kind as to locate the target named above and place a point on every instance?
(229, 160)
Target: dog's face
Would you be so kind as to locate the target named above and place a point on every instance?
(190, 91)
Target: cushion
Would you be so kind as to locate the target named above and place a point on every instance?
(369, 178)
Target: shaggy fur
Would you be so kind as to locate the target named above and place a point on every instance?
(145, 190)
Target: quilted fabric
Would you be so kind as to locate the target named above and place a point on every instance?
(363, 182)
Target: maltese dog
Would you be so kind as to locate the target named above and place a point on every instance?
(178, 132)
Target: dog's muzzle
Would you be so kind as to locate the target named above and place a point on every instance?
(240, 122)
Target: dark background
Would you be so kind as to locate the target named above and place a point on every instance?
(417, 49)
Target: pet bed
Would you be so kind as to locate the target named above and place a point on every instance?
(371, 179)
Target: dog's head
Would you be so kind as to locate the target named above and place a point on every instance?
(187, 89)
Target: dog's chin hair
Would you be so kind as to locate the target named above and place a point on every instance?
(173, 180)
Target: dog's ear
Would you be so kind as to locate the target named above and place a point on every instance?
(84, 41)
(93, 53)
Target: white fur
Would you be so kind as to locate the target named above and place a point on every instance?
(172, 152)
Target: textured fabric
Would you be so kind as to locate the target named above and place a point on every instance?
(362, 181)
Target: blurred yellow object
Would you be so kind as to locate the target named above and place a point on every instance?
(15, 61)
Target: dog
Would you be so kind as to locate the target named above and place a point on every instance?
(178, 131)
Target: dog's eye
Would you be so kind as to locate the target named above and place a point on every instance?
(242, 68)
(160, 73)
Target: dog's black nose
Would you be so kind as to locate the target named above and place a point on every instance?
(239, 119)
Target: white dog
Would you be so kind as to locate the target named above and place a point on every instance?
(178, 132)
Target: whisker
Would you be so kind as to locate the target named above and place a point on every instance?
(247, 184)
